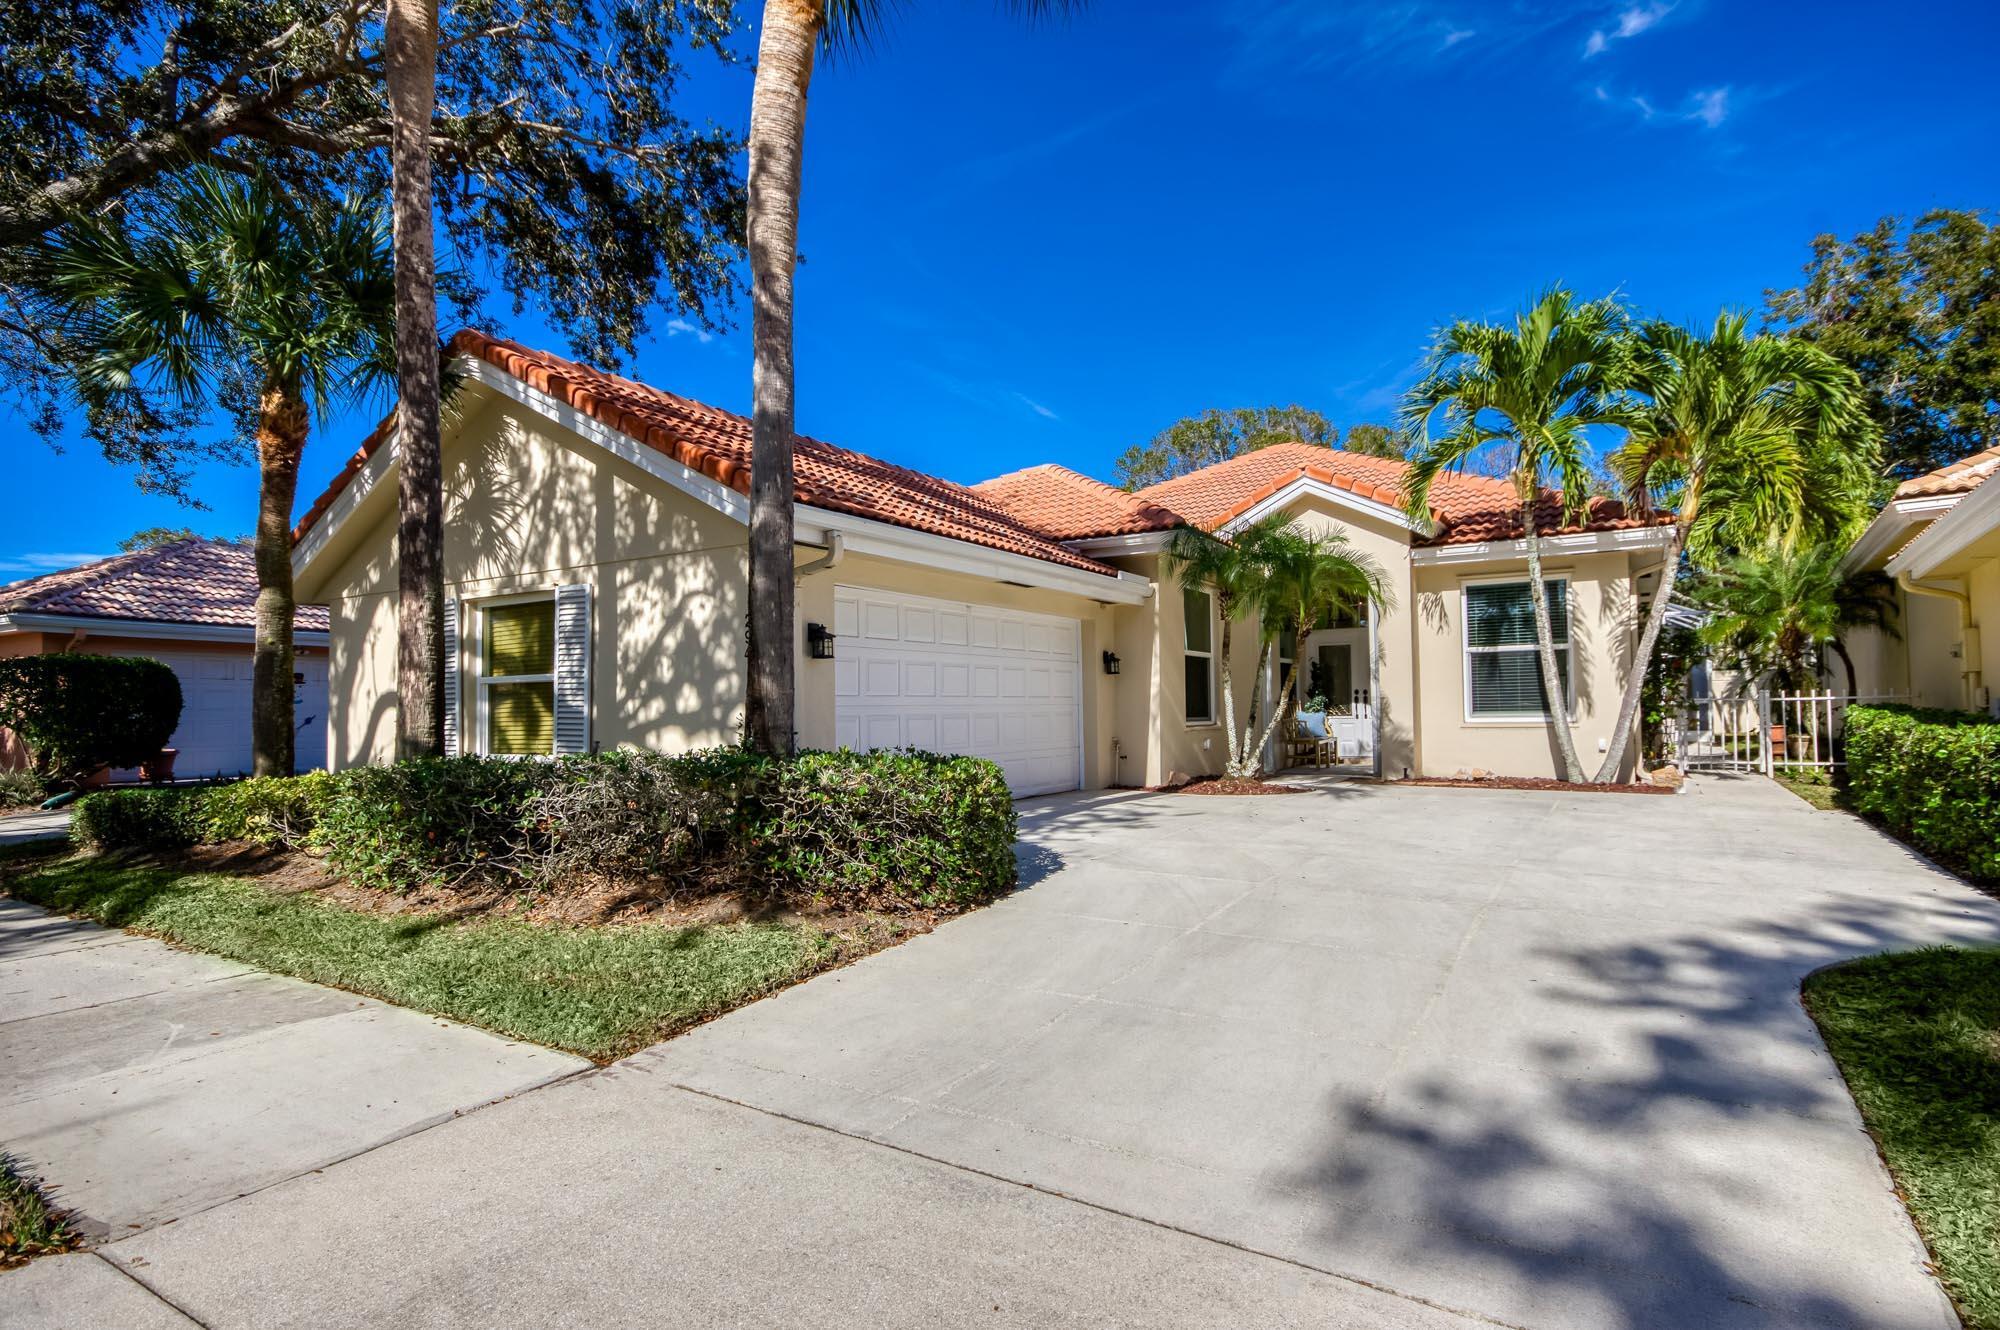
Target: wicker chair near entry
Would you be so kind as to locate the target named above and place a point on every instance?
(1307, 740)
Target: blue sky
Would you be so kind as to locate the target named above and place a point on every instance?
(1033, 243)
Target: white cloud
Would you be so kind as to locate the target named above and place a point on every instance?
(1457, 35)
(1711, 107)
(31, 564)
(1037, 407)
(1631, 23)
(675, 327)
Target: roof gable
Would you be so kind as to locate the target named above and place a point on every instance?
(207, 582)
(1961, 477)
(1069, 505)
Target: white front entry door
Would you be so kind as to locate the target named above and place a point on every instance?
(948, 677)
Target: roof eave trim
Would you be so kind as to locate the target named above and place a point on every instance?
(1309, 485)
(1576, 542)
(886, 540)
(1137, 542)
(104, 626)
(1972, 517)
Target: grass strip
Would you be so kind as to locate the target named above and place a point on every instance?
(1917, 1035)
(28, 1228)
(597, 991)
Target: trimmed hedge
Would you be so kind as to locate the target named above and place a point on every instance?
(881, 828)
(78, 712)
(1933, 778)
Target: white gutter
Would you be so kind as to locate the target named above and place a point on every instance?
(1891, 527)
(92, 625)
(885, 540)
(1580, 542)
(1971, 517)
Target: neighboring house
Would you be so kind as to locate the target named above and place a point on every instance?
(191, 605)
(595, 559)
(1939, 538)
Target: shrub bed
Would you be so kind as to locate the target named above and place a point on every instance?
(886, 828)
(1933, 778)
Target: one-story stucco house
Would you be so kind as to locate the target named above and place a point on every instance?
(1939, 538)
(595, 556)
(192, 605)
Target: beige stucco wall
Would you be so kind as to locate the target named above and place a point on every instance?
(1602, 622)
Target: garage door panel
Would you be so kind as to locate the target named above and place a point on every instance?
(958, 678)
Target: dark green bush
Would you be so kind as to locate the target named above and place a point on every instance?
(866, 829)
(429, 821)
(887, 826)
(139, 819)
(1933, 778)
(21, 788)
(77, 712)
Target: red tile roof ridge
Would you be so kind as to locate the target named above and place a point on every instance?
(1963, 476)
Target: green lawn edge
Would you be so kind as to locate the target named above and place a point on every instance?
(599, 992)
(1917, 1037)
(29, 1226)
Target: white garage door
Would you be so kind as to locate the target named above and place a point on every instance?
(910, 672)
(213, 737)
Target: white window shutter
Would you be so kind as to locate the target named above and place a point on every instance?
(573, 669)
(451, 739)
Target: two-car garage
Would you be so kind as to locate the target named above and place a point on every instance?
(951, 677)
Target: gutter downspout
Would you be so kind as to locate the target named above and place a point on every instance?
(1970, 675)
(836, 550)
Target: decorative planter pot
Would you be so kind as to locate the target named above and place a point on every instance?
(159, 770)
(1777, 738)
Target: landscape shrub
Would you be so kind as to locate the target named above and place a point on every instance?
(634, 811)
(139, 819)
(899, 825)
(429, 821)
(871, 829)
(77, 712)
(268, 810)
(21, 788)
(1933, 778)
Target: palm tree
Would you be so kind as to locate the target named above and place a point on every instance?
(409, 33)
(1773, 610)
(794, 32)
(1309, 575)
(231, 289)
(1749, 438)
(1237, 570)
(1534, 390)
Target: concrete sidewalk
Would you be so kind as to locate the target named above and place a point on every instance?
(21, 828)
(145, 1084)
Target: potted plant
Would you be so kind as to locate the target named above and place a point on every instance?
(159, 768)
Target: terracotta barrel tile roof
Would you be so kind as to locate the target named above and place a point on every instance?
(1072, 506)
(212, 582)
(1467, 509)
(1960, 477)
(717, 444)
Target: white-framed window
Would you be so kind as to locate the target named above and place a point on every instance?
(1503, 674)
(1198, 654)
(516, 663)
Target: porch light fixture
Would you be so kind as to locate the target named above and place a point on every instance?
(1111, 662)
(819, 642)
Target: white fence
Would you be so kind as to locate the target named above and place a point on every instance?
(1765, 732)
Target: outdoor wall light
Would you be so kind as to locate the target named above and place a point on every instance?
(819, 642)
(1111, 662)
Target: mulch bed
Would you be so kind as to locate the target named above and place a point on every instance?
(1533, 783)
(1228, 785)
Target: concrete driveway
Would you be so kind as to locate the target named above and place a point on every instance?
(1374, 1056)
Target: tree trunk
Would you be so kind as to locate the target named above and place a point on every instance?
(1642, 659)
(1553, 694)
(410, 43)
(777, 149)
(282, 421)
(1251, 762)
(1225, 607)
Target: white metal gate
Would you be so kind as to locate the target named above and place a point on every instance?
(1765, 732)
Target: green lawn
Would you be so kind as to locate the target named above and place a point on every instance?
(26, 1226)
(1815, 787)
(601, 991)
(1918, 1037)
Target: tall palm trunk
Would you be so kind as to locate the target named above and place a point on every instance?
(282, 421)
(410, 41)
(777, 148)
(1226, 608)
(1642, 658)
(1553, 693)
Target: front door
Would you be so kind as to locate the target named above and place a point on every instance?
(1340, 674)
